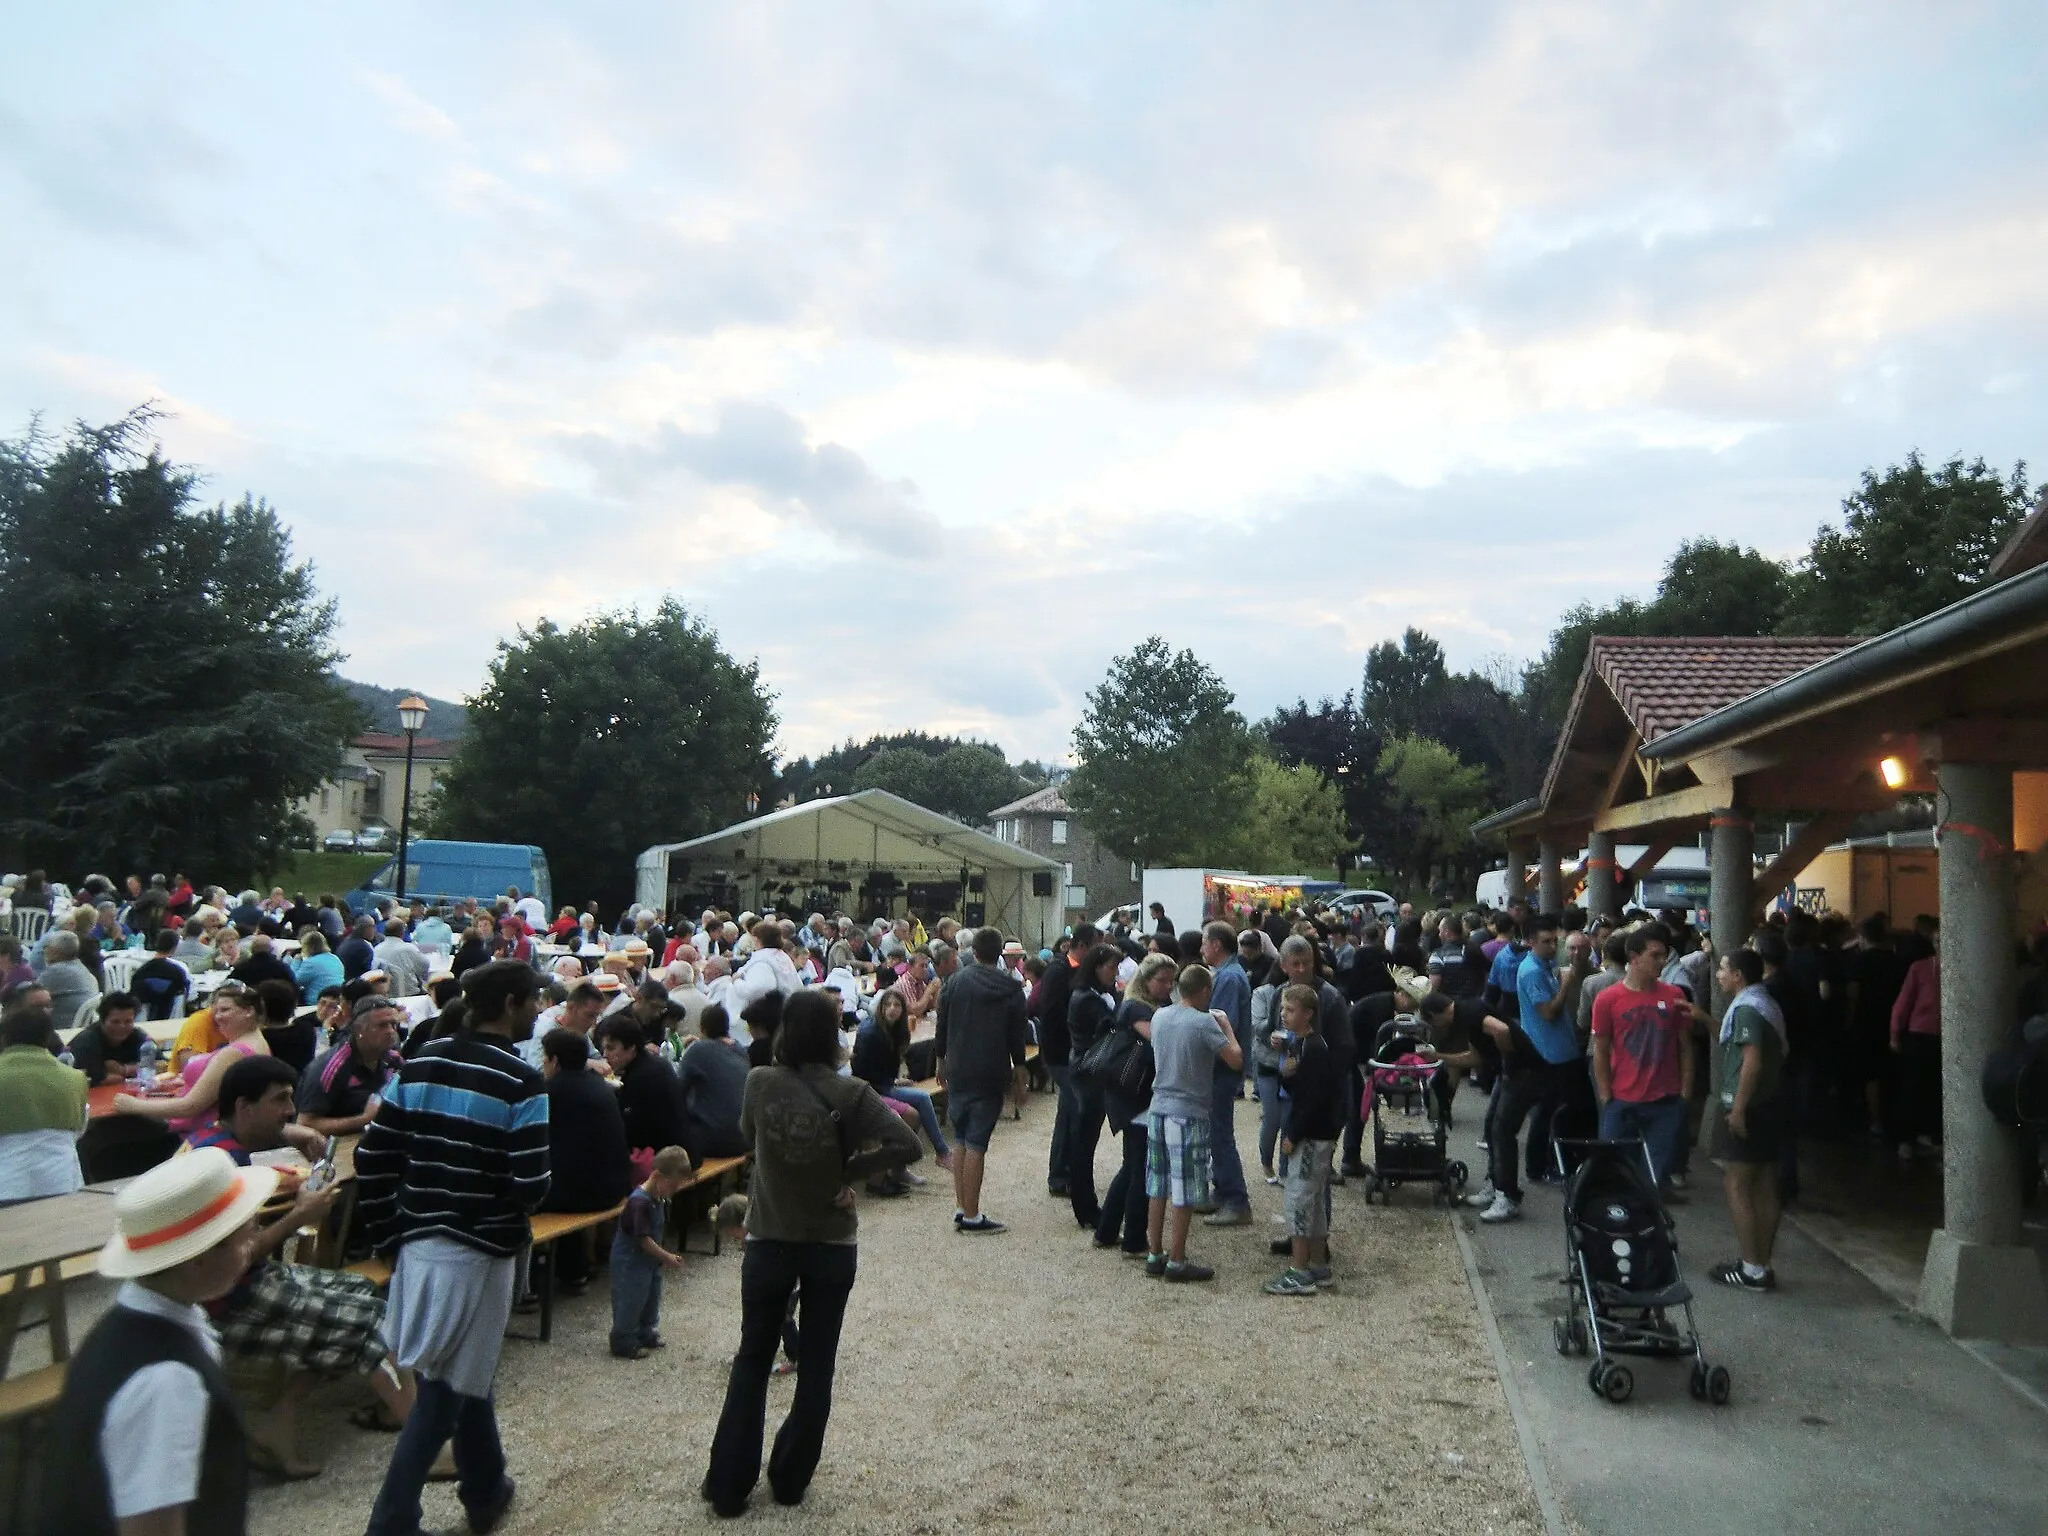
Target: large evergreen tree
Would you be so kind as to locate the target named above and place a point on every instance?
(597, 741)
(167, 685)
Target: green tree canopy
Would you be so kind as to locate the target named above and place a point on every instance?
(902, 771)
(1433, 799)
(167, 685)
(596, 741)
(1163, 758)
(1293, 822)
(1912, 541)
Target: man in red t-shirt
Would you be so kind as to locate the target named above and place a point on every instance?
(1642, 1055)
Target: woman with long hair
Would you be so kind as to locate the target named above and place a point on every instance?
(878, 1050)
(805, 1123)
(1090, 1006)
(1125, 1206)
(238, 1016)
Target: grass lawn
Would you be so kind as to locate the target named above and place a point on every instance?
(316, 872)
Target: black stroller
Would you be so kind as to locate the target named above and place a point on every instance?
(1621, 1271)
(1410, 1128)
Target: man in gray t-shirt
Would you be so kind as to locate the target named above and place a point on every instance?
(1188, 1040)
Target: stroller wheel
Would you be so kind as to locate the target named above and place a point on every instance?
(1561, 1336)
(1596, 1378)
(1697, 1382)
(1619, 1384)
(1717, 1386)
(1458, 1174)
(1580, 1341)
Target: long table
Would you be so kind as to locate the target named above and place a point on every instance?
(41, 1235)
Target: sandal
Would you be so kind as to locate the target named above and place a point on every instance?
(266, 1460)
(784, 1368)
(374, 1417)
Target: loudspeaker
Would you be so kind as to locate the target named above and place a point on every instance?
(1041, 882)
(976, 883)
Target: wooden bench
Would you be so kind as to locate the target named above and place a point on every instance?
(32, 1392)
(937, 1091)
(708, 1185)
(75, 1268)
(25, 1402)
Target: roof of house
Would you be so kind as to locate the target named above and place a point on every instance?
(1048, 800)
(2027, 548)
(384, 741)
(1663, 682)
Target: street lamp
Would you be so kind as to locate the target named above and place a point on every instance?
(412, 714)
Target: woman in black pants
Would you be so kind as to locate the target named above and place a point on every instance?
(1089, 1010)
(1125, 1206)
(804, 1122)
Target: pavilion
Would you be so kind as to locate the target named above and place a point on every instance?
(1667, 738)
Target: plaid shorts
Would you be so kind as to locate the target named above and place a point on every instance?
(1306, 1207)
(324, 1320)
(1177, 1161)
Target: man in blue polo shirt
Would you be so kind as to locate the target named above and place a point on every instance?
(1551, 1068)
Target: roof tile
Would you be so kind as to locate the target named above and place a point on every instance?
(1664, 682)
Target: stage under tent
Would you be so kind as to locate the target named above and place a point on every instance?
(870, 853)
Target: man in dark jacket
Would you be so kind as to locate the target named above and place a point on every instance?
(358, 952)
(980, 1048)
(649, 1096)
(1055, 1050)
(713, 1078)
(588, 1162)
(262, 964)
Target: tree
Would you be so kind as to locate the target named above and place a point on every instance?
(1163, 758)
(902, 771)
(1911, 542)
(970, 780)
(595, 742)
(966, 785)
(1293, 822)
(1403, 684)
(1434, 800)
(167, 685)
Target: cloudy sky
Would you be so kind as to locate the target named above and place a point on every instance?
(935, 353)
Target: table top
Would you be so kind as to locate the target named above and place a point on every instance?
(49, 1231)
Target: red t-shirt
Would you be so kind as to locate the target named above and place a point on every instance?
(1647, 1033)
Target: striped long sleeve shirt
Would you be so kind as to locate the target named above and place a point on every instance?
(459, 1149)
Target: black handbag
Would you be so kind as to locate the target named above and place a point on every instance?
(1103, 1061)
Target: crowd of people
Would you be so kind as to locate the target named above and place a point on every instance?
(565, 1064)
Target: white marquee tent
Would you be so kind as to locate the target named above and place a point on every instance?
(841, 845)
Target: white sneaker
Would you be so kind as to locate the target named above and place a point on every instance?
(1502, 1209)
(1483, 1199)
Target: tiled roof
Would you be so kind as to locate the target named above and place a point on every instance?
(1665, 682)
(1041, 802)
(386, 741)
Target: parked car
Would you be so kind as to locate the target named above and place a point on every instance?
(376, 840)
(340, 840)
(1379, 903)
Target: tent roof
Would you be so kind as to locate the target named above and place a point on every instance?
(870, 826)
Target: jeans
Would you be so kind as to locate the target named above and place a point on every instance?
(1125, 1206)
(1084, 1133)
(921, 1101)
(1661, 1123)
(1564, 1085)
(770, 1271)
(1354, 1117)
(1062, 1127)
(1226, 1178)
(636, 1299)
(1272, 1120)
(440, 1414)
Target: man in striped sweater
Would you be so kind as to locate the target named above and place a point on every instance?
(447, 1175)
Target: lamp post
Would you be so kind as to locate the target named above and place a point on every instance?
(412, 714)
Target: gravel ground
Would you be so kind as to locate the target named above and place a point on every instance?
(1023, 1381)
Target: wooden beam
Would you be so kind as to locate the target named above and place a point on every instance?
(1624, 760)
(2022, 743)
(1646, 863)
(1805, 846)
(1679, 805)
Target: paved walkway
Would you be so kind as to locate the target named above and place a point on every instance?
(1850, 1413)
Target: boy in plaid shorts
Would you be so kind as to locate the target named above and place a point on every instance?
(1188, 1040)
(1315, 1119)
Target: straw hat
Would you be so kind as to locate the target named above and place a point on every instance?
(637, 949)
(605, 981)
(181, 1208)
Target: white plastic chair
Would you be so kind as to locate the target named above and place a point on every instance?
(28, 923)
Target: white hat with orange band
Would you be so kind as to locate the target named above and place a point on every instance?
(181, 1208)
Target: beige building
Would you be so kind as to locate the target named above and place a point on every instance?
(366, 792)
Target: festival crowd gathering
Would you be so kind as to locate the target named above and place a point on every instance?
(488, 1062)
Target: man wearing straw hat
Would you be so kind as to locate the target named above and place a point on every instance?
(147, 1383)
(448, 1173)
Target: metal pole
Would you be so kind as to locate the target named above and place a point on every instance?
(405, 817)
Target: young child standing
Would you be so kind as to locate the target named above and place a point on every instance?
(1315, 1120)
(638, 1257)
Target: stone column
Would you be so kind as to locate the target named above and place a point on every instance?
(1731, 874)
(1981, 1281)
(1602, 879)
(1549, 886)
(1518, 872)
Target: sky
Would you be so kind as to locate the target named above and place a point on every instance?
(936, 353)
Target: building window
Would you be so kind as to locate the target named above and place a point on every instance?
(1059, 833)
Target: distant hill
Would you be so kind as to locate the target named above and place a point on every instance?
(445, 721)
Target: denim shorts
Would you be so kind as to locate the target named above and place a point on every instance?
(974, 1117)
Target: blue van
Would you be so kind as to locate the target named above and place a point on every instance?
(441, 874)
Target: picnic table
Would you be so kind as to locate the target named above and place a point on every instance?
(38, 1236)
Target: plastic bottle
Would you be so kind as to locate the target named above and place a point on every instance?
(145, 1069)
